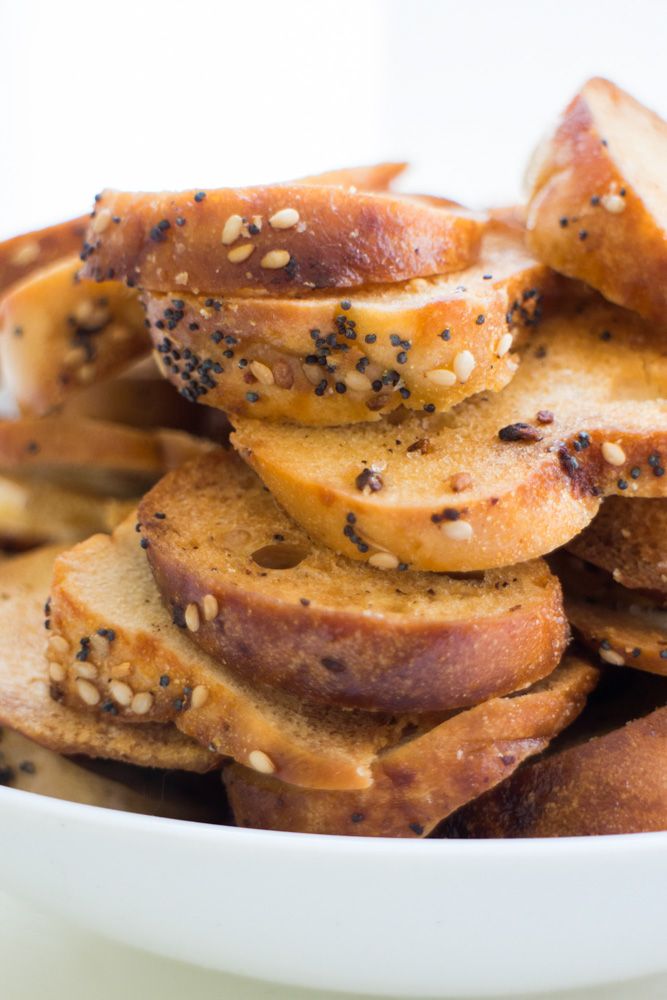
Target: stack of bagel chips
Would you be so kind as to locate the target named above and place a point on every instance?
(343, 604)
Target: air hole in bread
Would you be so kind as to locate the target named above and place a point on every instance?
(280, 556)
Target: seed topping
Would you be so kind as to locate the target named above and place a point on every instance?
(284, 219)
(238, 254)
(232, 229)
(87, 692)
(383, 560)
(275, 259)
(613, 453)
(464, 365)
(261, 762)
(192, 617)
(209, 607)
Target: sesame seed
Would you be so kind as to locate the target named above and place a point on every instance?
(383, 560)
(611, 656)
(142, 703)
(192, 617)
(122, 693)
(284, 219)
(87, 692)
(101, 221)
(87, 670)
(262, 372)
(232, 229)
(441, 376)
(457, 531)
(199, 696)
(261, 762)
(239, 254)
(181, 278)
(464, 364)
(613, 203)
(57, 672)
(209, 607)
(357, 381)
(275, 259)
(504, 344)
(613, 453)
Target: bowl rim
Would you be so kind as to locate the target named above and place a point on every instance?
(337, 845)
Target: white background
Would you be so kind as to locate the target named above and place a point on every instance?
(185, 94)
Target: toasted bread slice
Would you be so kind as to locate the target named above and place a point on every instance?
(59, 334)
(219, 545)
(35, 512)
(628, 542)
(92, 455)
(500, 479)
(376, 177)
(320, 360)
(106, 583)
(31, 768)
(27, 706)
(283, 238)
(597, 208)
(417, 784)
(142, 398)
(616, 783)
(622, 625)
(24, 254)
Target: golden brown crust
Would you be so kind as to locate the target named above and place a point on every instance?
(25, 702)
(321, 359)
(587, 216)
(327, 237)
(106, 583)
(628, 542)
(59, 335)
(621, 625)
(615, 783)
(370, 638)
(94, 455)
(376, 177)
(511, 500)
(419, 783)
(38, 512)
(23, 254)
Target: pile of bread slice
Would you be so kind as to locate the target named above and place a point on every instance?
(333, 539)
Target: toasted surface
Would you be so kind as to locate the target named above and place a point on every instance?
(31, 768)
(420, 782)
(622, 625)
(323, 360)
(36, 512)
(105, 582)
(467, 499)
(616, 783)
(327, 236)
(597, 209)
(25, 702)
(22, 255)
(628, 542)
(370, 638)
(142, 398)
(92, 455)
(59, 334)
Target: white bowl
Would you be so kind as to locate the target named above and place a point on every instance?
(386, 917)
